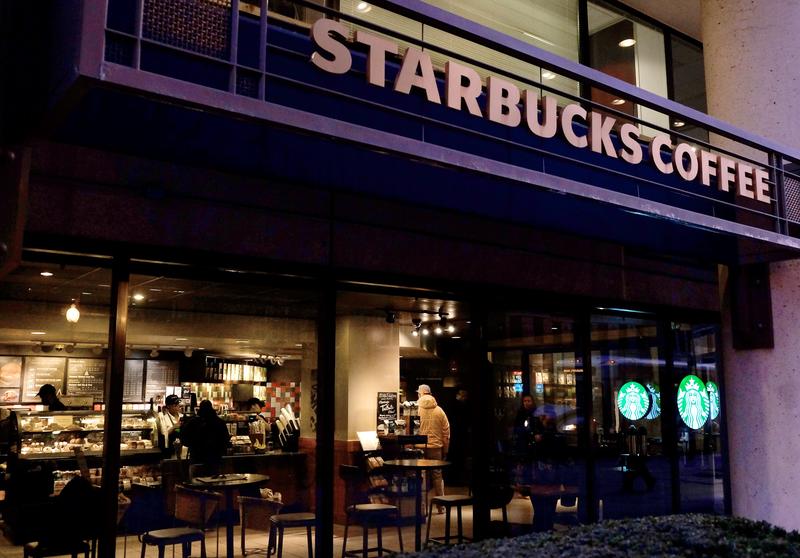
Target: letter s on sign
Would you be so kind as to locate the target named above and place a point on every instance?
(341, 59)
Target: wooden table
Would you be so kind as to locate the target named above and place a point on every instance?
(227, 484)
(416, 465)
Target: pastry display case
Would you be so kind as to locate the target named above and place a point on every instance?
(53, 434)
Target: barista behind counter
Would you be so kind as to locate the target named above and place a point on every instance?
(169, 425)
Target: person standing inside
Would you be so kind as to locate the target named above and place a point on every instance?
(433, 423)
(207, 438)
(169, 424)
(48, 395)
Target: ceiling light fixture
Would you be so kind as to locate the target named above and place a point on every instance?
(417, 323)
(451, 328)
(154, 353)
(97, 349)
(679, 123)
(547, 74)
(426, 331)
(73, 314)
(188, 352)
(363, 7)
(625, 43)
(70, 348)
(618, 102)
(138, 297)
(38, 333)
(46, 274)
(37, 348)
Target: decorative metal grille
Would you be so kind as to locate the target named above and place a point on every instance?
(247, 84)
(119, 50)
(201, 26)
(791, 188)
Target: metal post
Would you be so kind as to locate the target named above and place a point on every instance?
(234, 45)
(138, 31)
(583, 345)
(262, 51)
(776, 170)
(323, 476)
(114, 380)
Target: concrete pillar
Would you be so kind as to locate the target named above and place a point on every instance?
(751, 51)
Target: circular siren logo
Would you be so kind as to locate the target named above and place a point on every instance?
(655, 401)
(633, 401)
(713, 399)
(693, 403)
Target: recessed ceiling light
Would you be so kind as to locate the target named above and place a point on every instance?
(138, 297)
(547, 74)
(46, 273)
(242, 341)
(679, 123)
(38, 333)
(181, 339)
(298, 344)
(104, 285)
(456, 337)
(87, 293)
(363, 7)
(625, 43)
(618, 102)
(155, 290)
(554, 328)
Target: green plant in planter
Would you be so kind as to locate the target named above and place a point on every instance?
(684, 536)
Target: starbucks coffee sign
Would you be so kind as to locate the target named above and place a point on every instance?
(693, 402)
(713, 399)
(633, 401)
(506, 104)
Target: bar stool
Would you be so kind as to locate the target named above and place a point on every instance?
(283, 521)
(448, 502)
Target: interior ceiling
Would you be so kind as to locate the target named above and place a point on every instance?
(168, 313)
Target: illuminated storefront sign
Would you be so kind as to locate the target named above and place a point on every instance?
(463, 87)
(655, 401)
(713, 399)
(633, 400)
(693, 402)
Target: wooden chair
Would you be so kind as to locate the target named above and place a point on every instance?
(255, 513)
(194, 507)
(360, 511)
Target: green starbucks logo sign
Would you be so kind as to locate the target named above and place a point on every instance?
(655, 401)
(633, 401)
(713, 399)
(693, 402)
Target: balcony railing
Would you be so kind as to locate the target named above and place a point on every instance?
(235, 55)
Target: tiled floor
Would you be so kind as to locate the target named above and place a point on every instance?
(520, 511)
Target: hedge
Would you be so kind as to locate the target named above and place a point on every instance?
(685, 536)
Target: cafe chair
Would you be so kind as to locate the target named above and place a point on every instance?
(194, 507)
(255, 513)
(449, 502)
(359, 510)
(286, 521)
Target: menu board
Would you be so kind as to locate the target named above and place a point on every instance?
(10, 378)
(160, 374)
(86, 376)
(387, 406)
(40, 371)
(134, 378)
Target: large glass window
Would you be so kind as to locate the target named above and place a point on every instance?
(698, 418)
(628, 373)
(402, 391)
(538, 377)
(688, 83)
(632, 51)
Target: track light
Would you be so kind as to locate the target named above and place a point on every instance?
(37, 348)
(70, 348)
(154, 353)
(390, 316)
(426, 331)
(97, 349)
(438, 330)
(188, 352)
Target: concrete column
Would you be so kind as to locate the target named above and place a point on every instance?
(367, 361)
(751, 51)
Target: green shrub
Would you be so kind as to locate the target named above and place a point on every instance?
(684, 536)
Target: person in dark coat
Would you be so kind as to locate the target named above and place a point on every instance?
(207, 438)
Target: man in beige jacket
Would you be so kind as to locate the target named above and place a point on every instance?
(433, 423)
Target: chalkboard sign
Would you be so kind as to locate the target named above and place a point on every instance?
(86, 376)
(387, 406)
(134, 381)
(43, 370)
(160, 374)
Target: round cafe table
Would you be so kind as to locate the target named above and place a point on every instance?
(416, 465)
(227, 484)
